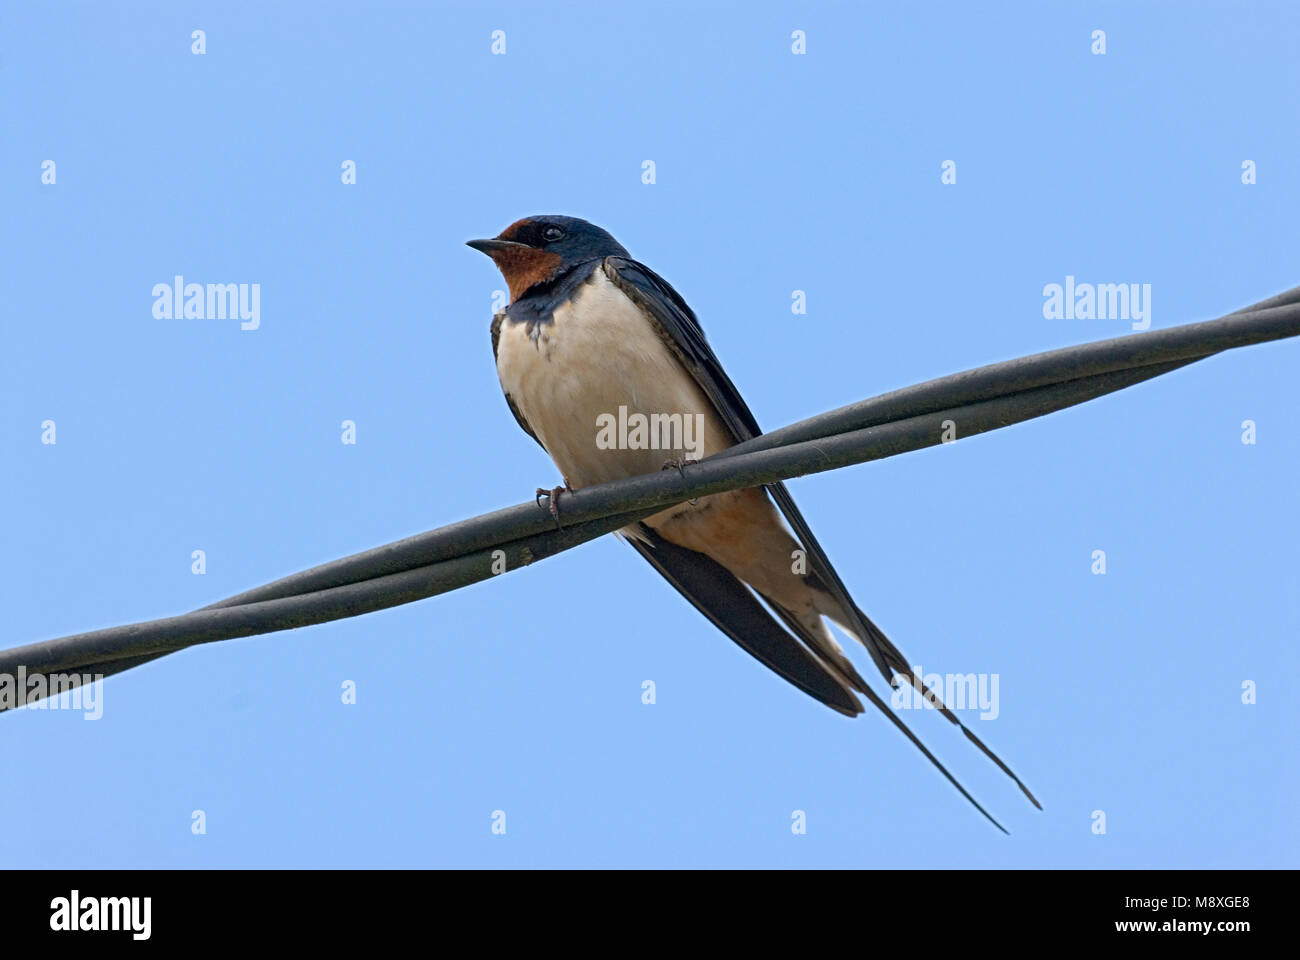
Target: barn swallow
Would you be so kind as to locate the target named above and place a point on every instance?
(594, 352)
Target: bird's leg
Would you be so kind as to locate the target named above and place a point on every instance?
(553, 500)
(678, 465)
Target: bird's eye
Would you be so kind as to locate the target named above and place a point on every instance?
(551, 234)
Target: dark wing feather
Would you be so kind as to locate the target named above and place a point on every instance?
(684, 334)
(734, 610)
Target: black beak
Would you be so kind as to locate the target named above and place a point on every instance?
(491, 247)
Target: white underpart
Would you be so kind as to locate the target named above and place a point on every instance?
(599, 353)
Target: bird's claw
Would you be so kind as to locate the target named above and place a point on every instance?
(679, 465)
(675, 464)
(553, 500)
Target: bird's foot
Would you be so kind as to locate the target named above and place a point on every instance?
(678, 465)
(553, 500)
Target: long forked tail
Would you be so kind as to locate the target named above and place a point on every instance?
(716, 593)
(898, 666)
(887, 657)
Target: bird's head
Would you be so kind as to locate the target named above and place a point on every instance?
(536, 250)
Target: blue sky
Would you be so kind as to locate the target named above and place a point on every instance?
(775, 172)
